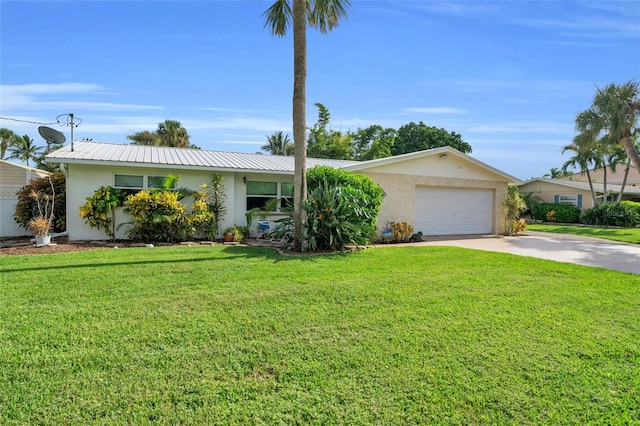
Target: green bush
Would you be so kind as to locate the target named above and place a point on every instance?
(336, 216)
(625, 214)
(27, 205)
(564, 213)
(372, 193)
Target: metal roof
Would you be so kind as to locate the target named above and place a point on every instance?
(158, 156)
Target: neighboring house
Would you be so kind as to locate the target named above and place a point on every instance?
(12, 178)
(616, 178)
(439, 191)
(575, 192)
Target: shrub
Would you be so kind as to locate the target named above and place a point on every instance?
(518, 225)
(338, 215)
(99, 210)
(157, 216)
(27, 205)
(612, 214)
(400, 231)
(371, 200)
(564, 213)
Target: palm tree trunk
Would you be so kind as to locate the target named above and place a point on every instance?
(632, 152)
(605, 197)
(593, 193)
(299, 120)
(624, 182)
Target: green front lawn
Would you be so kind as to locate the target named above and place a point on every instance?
(627, 235)
(237, 335)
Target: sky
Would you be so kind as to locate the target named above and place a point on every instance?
(509, 76)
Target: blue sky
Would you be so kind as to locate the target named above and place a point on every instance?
(509, 76)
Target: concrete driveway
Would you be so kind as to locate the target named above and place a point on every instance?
(559, 247)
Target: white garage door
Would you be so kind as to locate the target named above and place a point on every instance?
(453, 211)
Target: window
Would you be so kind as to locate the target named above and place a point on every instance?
(128, 181)
(133, 183)
(573, 200)
(258, 193)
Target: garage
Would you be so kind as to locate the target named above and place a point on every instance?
(453, 211)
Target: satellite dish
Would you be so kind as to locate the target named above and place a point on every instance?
(51, 136)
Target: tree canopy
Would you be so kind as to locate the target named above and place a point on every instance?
(414, 137)
(169, 133)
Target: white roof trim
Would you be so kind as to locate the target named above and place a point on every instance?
(431, 152)
(598, 187)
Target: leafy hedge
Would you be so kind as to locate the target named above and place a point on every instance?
(552, 212)
(626, 214)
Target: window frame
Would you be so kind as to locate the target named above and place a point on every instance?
(280, 195)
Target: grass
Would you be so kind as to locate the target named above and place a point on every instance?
(627, 235)
(237, 335)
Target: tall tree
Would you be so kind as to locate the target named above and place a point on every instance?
(373, 142)
(323, 15)
(614, 112)
(25, 149)
(169, 133)
(414, 137)
(7, 139)
(278, 143)
(582, 159)
(324, 142)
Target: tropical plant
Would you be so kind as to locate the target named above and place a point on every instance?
(400, 231)
(169, 133)
(157, 216)
(414, 137)
(335, 218)
(531, 200)
(614, 113)
(25, 149)
(513, 206)
(278, 143)
(583, 158)
(28, 207)
(41, 224)
(373, 142)
(325, 16)
(373, 193)
(556, 173)
(100, 209)
(7, 139)
(612, 214)
(215, 197)
(237, 232)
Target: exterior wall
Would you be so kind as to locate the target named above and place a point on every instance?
(399, 202)
(84, 180)
(548, 190)
(12, 178)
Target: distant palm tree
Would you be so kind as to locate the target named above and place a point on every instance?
(24, 149)
(169, 133)
(325, 16)
(615, 111)
(583, 159)
(278, 144)
(556, 173)
(173, 134)
(7, 139)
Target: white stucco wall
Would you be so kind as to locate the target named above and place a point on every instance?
(84, 180)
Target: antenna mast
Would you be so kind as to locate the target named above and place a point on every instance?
(69, 122)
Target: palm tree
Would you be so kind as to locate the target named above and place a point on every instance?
(169, 133)
(24, 149)
(556, 173)
(323, 15)
(583, 158)
(7, 139)
(614, 111)
(144, 138)
(278, 144)
(173, 134)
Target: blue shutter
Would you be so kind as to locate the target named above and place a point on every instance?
(580, 201)
(556, 199)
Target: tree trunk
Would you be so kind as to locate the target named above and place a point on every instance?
(299, 120)
(632, 152)
(624, 182)
(593, 192)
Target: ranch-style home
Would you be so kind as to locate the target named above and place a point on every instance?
(440, 191)
(12, 178)
(577, 193)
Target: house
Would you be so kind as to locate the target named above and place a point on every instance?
(576, 193)
(12, 178)
(439, 191)
(615, 177)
